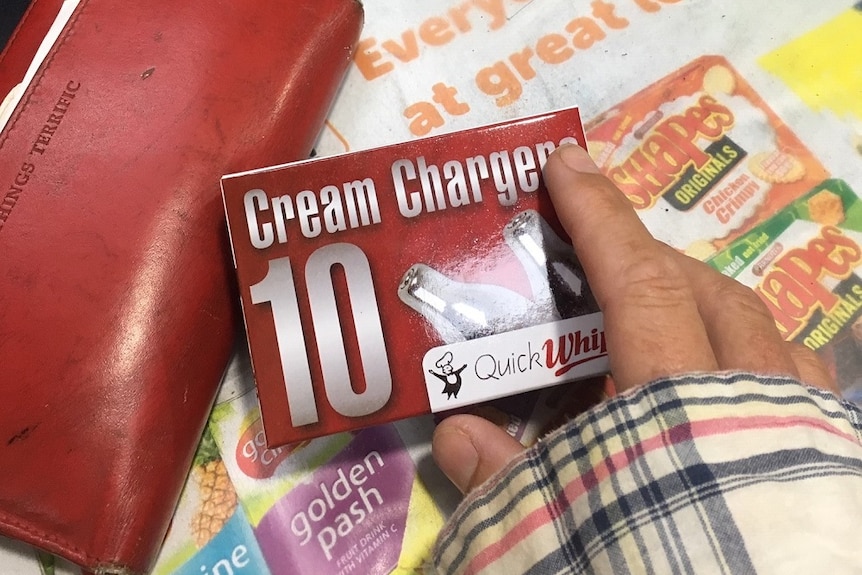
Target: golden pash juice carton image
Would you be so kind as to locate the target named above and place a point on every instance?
(701, 156)
(805, 263)
(352, 502)
(413, 278)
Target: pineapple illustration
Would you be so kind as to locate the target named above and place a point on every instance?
(217, 496)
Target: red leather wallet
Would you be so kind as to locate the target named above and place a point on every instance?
(117, 314)
(25, 40)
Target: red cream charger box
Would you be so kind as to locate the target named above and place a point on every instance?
(413, 278)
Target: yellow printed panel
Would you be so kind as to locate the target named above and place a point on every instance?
(824, 66)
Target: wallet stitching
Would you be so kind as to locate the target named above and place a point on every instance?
(43, 535)
(27, 527)
(46, 65)
(19, 27)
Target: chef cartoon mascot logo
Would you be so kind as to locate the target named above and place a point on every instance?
(450, 376)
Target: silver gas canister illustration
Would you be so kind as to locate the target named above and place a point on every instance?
(461, 311)
(556, 277)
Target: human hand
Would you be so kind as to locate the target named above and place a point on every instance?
(665, 314)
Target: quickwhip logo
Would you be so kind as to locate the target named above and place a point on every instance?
(450, 376)
(491, 366)
(558, 354)
(572, 349)
(515, 361)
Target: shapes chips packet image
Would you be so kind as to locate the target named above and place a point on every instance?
(701, 156)
(805, 263)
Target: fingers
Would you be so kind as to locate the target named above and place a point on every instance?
(742, 331)
(653, 326)
(664, 313)
(469, 449)
(811, 368)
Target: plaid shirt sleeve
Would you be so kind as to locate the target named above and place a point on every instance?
(708, 473)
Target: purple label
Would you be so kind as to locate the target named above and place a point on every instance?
(349, 517)
(511, 413)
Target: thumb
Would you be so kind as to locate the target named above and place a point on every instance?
(469, 449)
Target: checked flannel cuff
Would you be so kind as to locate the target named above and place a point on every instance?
(706, 473)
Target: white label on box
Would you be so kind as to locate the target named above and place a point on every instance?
(486, 368)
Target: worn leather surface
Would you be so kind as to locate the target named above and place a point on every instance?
(117, 313)
(24, 41)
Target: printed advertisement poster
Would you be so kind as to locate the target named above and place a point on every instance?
(806, 265)
(345, 503)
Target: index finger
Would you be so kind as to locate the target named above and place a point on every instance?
(652, 324)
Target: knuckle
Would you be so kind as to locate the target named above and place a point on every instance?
(801, 350)
(804, 354)
(656, 279)
(741, 300)
(812, 368)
